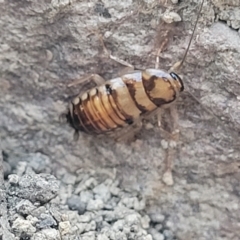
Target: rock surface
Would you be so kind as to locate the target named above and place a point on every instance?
(55, 188)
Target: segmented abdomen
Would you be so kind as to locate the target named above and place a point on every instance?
(115, 104)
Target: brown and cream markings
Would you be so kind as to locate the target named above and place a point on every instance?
(121, 101)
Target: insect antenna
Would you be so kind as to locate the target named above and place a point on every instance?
(179, 64)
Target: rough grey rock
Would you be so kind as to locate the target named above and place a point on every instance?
(155, 234)
(168, 235)
(95, 205)
(47, 44)
(157, 218)
(69, 178)
(39, 187)
(85, 196)
(38, 211)
(25, 207)
(47, 234)
(46, 221)
(21, 225)
(39, 162)
(102, 192)
(5, 231)
(13, 179)
(75, 203)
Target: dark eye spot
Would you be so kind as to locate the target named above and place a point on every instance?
(174, 76)
(177, 78)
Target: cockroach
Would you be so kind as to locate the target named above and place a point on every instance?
(120, 102)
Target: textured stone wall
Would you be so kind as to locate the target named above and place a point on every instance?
(47, 44)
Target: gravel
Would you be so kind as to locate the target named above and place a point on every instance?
(100, 210)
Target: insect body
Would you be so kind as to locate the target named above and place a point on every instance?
(121, 101)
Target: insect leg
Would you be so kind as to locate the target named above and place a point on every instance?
(170, 144)
(163, 45)
(116, 59)
(91, 77)
(123, 62)
(128, 67)
(128, 133)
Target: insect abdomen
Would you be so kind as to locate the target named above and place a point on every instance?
(103, 108)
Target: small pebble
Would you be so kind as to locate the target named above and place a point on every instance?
(85, 218)
(25, 207)
(55, 212)
(32, 220)
(169, 224)
(69, 178)
(164, 144)
(149, 126)
(46, 221)
(111, 204)
(167, 178)
(22, 225)
(90, 226)
(49, 55)
(145, 221)
(115, 190)
(168, 234)
(129, 202)
(21, 168)
(47, 234)
(13, 179)
(38, 211)
(85, 196)
(109, 216)
(102, 192)
(158, 227)
(88, 236)
(38, 162)
(155, 234)
(75, 203)
(90, 183)
(38, 187)
(157, 217)
(118, 225)
(132, 218)
(64, 227)
(170, 17)
(94, 205)
(148, 237)
(81, 227)
(102, 237)
(139, 205)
